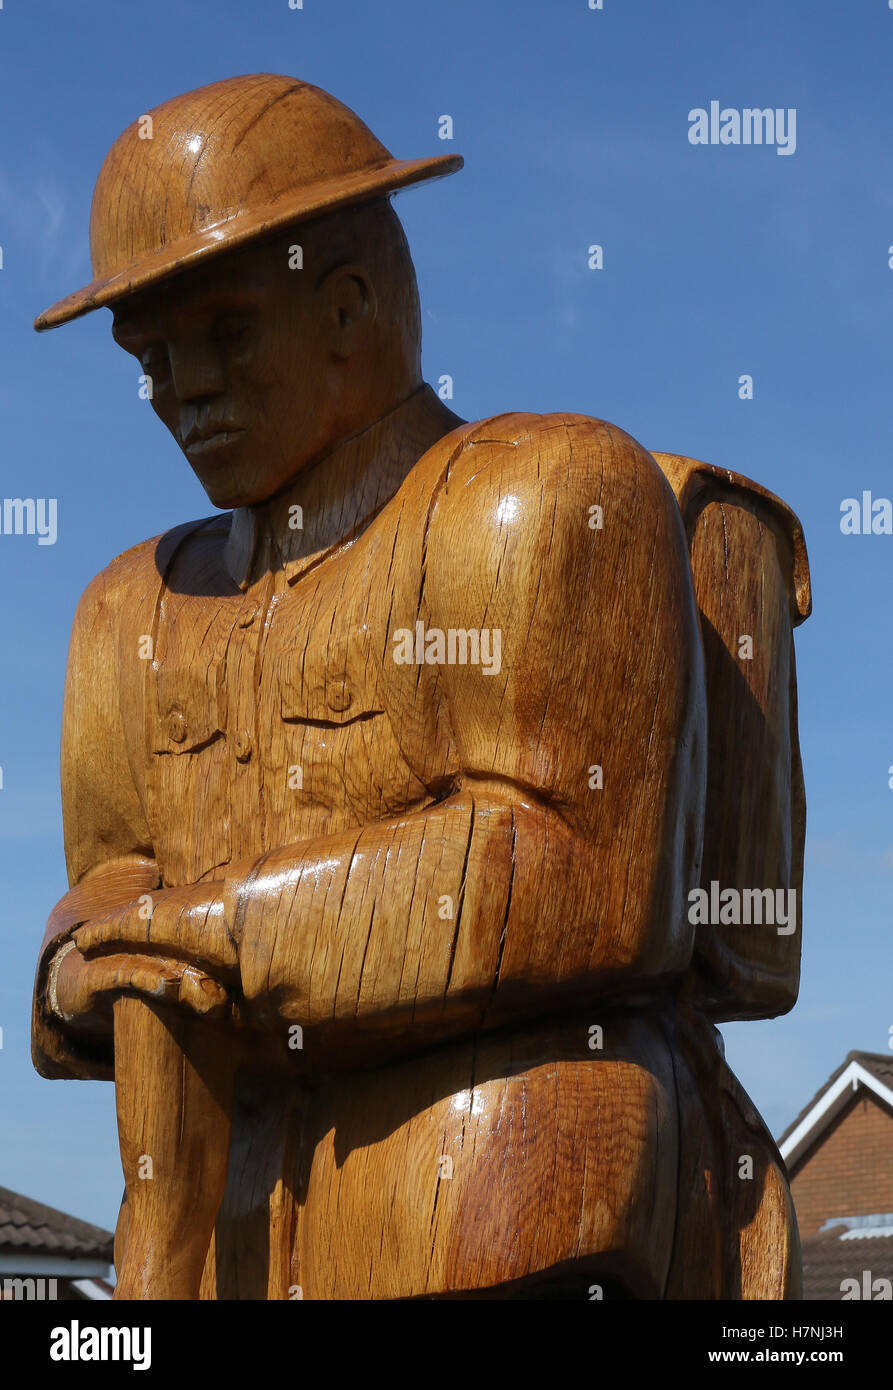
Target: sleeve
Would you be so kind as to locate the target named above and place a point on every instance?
(107, 843)
(559, 537)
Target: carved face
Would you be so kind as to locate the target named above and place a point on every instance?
(246, 359)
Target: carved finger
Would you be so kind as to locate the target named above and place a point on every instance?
(195, 933)
(203, 995)
(159, 980)
(116, 930)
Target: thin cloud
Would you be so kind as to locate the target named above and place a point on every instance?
(36, 215)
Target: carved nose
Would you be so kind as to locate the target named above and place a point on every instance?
(197, 374)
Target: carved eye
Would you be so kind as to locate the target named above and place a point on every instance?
(231, 329)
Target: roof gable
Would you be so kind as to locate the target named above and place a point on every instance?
(871, 1071)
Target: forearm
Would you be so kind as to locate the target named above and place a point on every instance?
(492, 906)
(377, 921)
(482, 907)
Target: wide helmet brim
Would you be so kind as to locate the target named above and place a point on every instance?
(244, 227)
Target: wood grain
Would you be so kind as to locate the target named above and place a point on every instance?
(424, 786)
(383, 829)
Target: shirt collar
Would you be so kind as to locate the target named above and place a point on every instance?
(335, 497)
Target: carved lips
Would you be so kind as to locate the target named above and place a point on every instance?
(201, 443)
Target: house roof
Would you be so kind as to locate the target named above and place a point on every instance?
(872, 1071)
(851, 1248)
(30, 1228)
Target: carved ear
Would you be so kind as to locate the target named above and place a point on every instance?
(350, 306)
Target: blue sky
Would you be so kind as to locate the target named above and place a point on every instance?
(719, 261)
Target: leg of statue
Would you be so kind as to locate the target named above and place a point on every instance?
(736, 1237)
(519, 1164)
(173, 1088)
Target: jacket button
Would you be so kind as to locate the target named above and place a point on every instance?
(338, 697)
(243, 746)
(176, 727)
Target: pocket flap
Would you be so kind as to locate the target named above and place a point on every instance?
(189, 710)
(327, 697)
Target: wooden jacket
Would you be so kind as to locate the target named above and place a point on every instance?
(417, 854)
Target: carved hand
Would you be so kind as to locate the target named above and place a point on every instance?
(170, 945)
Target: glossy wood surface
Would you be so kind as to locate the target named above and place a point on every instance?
(384, 934)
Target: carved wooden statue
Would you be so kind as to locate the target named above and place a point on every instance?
(389, 790)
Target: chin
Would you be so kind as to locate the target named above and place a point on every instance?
(237, 484)
(225, 497)
(229, 497)
(225, 488)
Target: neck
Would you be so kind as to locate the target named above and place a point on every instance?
(337, 493)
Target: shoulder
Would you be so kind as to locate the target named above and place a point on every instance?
(544, 478)
(531, 448)
(555, 544)
(137, 572)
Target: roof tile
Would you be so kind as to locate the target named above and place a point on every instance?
(32, 1226)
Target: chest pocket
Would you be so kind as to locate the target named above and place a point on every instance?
(336, 729)
(189, 774)
(323, 696)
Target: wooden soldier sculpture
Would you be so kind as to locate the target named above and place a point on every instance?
(394, 791)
